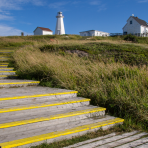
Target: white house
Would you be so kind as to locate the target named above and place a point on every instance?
(42, 31)
(93, 33)
(135, 26)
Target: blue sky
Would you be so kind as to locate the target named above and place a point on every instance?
(18, 16)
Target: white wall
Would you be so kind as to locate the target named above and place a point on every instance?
(125, 29)
(84, 34)
(132, 28)
(38, 31)
(93, 33)
(144, 29)
(100, 33)
(47, 33)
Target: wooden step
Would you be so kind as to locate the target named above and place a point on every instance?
(8, 76)
(57, 132)
(5, 83)
(6, 69)
(20, 123)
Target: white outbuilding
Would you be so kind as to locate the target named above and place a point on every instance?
(42, 31)
(93, 33)
(135, 26)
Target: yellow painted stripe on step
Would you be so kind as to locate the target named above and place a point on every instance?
(7, 71)
(6, 51)
(6, 68)
(39, 95)
(7, 75)
(20, 83)
(3, 65)
(51, 135)
(4, 58)
(58, 116)
(39, 106)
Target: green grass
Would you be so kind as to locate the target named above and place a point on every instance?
(143, 40)
(121, 88)
(6, 44)
(112, 76)
(128, 54)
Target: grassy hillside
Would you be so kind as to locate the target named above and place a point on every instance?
(110, 71)
(15, 41)
(105, 52)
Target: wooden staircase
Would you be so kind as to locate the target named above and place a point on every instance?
(32, 114)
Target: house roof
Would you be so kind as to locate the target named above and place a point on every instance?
(88, 30)
(45, 29)
(141, 22)
(93, 30)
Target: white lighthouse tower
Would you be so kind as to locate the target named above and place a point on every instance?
(60, 24)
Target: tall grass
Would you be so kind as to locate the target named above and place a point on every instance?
(15, 41)
(128, 54)
(123, 89)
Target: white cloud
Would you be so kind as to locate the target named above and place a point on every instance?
(26, 23)
(58, 4)
(7, 5)
(98, 3)
(6, 17)
(143, 1)
(10, 31)
(95, 2)
(17, 4)
(37, 2)
(75, 2)
(102, 7)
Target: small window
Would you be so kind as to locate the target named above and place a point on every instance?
(131, 22)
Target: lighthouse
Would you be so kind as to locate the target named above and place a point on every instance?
(60, 24)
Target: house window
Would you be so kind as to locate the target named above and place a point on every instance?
(131, 22)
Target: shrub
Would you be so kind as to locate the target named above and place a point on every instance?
(132, 38)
